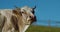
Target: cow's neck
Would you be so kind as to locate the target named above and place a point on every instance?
(26, 27)
(23, 29)
(22, 26)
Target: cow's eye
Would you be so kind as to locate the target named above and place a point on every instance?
(22, 12)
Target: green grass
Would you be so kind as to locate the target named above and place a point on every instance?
(42, 29)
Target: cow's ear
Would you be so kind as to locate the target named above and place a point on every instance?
(17, 12)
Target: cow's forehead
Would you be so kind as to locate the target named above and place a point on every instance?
(26, 8)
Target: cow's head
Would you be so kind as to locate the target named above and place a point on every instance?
(28, 14)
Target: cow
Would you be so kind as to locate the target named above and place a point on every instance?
(16, 20)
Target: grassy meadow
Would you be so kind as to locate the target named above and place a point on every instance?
(35, 28)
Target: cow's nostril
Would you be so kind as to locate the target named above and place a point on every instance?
(30, 17)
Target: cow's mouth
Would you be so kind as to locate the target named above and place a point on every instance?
(33, 19)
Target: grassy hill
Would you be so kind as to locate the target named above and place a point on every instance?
(42, 29)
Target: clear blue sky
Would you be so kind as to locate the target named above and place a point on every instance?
(46, 9)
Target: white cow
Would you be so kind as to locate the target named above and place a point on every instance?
(16, 20)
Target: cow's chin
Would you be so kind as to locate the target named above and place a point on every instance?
(30, 21)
